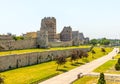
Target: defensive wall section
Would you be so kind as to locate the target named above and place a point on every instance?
(60, 44)
(20, 44)
(21, 60)
(27, 44)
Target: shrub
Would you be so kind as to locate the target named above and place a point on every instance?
(93, 52)
(101, 79)
(1, 79)
(103, 50)
(117, 65)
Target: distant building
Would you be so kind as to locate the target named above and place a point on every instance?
(30, 35)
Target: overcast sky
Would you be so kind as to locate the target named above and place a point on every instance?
(95, 18)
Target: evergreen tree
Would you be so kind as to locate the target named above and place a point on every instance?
(117, 65)
(101, 79)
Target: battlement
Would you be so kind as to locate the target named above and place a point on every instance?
(67, 28)
(49, 19)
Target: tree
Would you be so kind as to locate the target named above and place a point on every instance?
(60, 60)
(104, 41)
(18, 38)
(94, 41)
(1, 79)
(101, 79)
(117, 65)
(75, 56)
(83, 54)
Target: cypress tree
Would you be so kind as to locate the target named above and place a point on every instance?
(101, 79)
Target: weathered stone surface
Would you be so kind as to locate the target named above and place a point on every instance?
(20, 44)
(75, 37)
(60, 44)
(6, 37)
(81, 38)
(66, 34)
(42, 40)
(86, 40)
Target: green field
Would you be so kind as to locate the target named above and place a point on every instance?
(92, 80)
(108, 67)
(118, 56)
(86, 80)
(40, 72)
(3, 53)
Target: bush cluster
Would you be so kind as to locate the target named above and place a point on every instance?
(117, 65)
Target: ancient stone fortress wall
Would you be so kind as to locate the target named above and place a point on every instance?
(60, 44)
(21, 60)
(20, 44)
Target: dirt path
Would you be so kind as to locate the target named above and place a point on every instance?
(70, 76)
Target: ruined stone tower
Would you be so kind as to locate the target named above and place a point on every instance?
(49, 24)
(66, 34)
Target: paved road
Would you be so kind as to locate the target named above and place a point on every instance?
(70, 76)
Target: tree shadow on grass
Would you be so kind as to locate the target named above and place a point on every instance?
(65, 67)
(80, 63)
(85, 60)
(62, 70)
(77, 64)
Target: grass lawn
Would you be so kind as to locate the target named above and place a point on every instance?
(40, 72)
(86, 80)
(118, 56)
(108, 67)
(92, 80)
(38, 50)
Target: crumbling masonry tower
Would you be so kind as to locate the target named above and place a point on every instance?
(49, 24)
